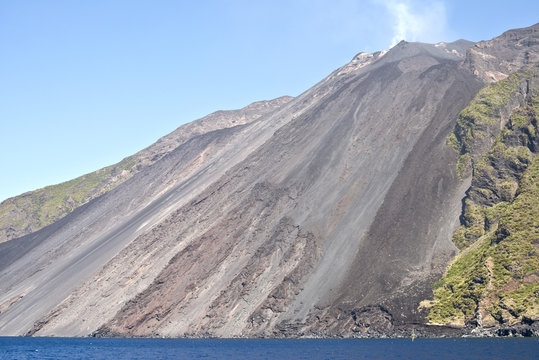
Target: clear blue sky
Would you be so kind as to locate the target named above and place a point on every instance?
(85, 83)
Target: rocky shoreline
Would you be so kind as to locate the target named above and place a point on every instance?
(398, 332)
(426, 331)
(430, 331)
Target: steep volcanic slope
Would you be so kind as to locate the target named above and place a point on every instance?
(33, 210)
(282, 205)
(67, 252)
(40, 269)
(329, 216)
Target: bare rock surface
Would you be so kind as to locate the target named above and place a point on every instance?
(495, 59)
(329, 216)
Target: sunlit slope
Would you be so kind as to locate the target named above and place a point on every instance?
(33, 210)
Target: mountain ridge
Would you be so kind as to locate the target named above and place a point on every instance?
(330, 216)
(29, 212)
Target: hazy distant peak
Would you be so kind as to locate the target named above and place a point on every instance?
(361, 60)
(495, 59)
(457, 48)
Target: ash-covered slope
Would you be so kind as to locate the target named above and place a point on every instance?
(33, 210)
(331, 216)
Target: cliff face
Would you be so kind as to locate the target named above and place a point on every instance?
(494, 281)
(331, 216)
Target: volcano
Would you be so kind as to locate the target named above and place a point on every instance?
(333, 213)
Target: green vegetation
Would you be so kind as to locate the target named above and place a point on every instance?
(458, 293)
(42, 207)
(479, 117)
(518, 303)
(495, 278)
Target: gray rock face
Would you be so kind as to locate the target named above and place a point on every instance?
(495, 59)
(330, 216)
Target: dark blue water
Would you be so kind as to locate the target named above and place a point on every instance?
(116, 349)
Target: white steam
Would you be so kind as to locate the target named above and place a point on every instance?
(416, 21)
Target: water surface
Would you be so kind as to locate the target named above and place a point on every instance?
(309, 349)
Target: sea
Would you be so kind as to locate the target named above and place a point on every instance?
(310, 349)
